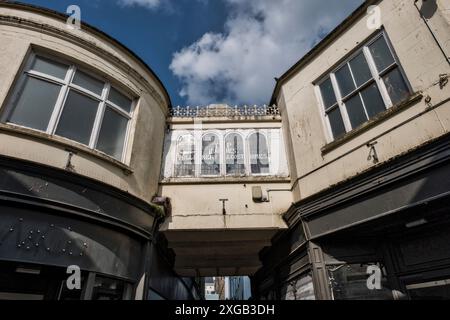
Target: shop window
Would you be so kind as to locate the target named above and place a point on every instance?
(362, 87)
(299, 289)
(210, 155)
(185, 157)
(108, 289)
(354, 282)
(234, 155)
(259, 154)
(61, 99)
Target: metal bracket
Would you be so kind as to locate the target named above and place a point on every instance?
(224, 210)
(373, 155)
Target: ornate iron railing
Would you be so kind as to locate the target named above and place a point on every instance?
(213, 111)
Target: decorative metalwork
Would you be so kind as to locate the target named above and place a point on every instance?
(224, 111)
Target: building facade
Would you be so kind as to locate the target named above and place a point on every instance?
(77, 173)
(339, 189)
(366, 118)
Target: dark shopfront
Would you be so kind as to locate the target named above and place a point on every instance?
(50, 220)
(393, 222)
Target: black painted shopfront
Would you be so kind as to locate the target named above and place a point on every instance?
(392, 222)
(53, 219)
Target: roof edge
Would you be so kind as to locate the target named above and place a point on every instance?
(344, 25)
(92, 29)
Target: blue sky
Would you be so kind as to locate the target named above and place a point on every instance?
(214, 51)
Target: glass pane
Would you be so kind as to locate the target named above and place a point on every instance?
(336, 123)
(300, 289)
(351, 282)
(355, 110)
(345, 81)
(396, 86)
(259, 154)
(35, 104)
(360, 69)
(381, 54)
(234, 155)
(112, 134)
(108, 289)
(77, 118)
(87, 82)
(373, 101)
(49, 67)
(210, 155)
(328, 96)
(185, 158)
(119, 99)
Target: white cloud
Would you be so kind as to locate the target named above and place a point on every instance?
(262, 39)
(151, 4)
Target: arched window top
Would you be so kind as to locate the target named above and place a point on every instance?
(210, 155)
(185, 156)
(234, 155)
(259, 153)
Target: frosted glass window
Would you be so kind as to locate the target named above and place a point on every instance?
(259, 154)
(185, 157)
(210, 155)
(234, 155)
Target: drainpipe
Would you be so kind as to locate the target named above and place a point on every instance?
(447, 58)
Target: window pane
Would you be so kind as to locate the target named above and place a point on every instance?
(381, 54)
(349, 282)
(77, 118)
(87, 82)
(234, 155)
(119, 99)
(345, 81)
(259, 154)
(35, 104)
(360, 69)
(49, 67)
(328, 96)
(355, 110)
(112, 134)
(373, 101)
(185, 158)
(210, 155)
(396, 86)
(336, 123)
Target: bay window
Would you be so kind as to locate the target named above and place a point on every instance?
(366, 84)
(61, 99)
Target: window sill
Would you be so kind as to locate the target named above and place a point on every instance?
(67, 144)
(412, 99)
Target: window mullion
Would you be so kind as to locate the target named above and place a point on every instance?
(341, 106)
(99, 117)
(57, 111)
(379, 81)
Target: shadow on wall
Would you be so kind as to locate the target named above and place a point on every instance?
(429, 8)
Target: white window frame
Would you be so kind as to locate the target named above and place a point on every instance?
(221, 147)
(248, 151)
(67, 85)
(243, 152)
(377, 78)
